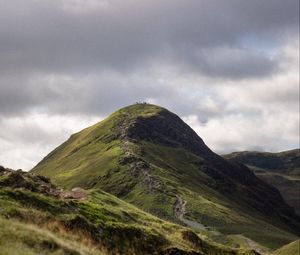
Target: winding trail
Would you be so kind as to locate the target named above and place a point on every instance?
(253, 245)
(139, 166)
(179, 207)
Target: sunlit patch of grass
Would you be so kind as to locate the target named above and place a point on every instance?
(20, 238)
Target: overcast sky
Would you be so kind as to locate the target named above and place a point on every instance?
(229, 68)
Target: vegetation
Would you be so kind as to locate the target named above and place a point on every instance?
(281, 170)
(289, 249)
(150, 158)
(35, 218)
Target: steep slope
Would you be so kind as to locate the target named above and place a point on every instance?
(286, 162)
(38, 218)
(281, 170)
(151, 158)
(289, 249)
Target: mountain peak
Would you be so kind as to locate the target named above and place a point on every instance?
(148, 156)
(141, 109)
(152, 123)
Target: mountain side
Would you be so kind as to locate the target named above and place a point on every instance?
(152, 159)
(289, 249)
(37, 217)
(285, 162)
(281, 170)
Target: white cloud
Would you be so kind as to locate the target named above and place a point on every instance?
(26, 140)
(232, 74)
(261, 114)
(85, 6)
(269, 132)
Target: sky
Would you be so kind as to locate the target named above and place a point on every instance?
(230, 69)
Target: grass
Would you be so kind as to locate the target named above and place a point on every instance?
(92, 153)
(286, 162)
(93, 159)
(209, 207)
(32, 223)
(287, 185)
(28, 239)
(281, 170)
(289, 249)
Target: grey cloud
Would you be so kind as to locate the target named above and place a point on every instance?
(21, 92)
(98, 94)
(230, 63)
(44, 36)
(63, 60)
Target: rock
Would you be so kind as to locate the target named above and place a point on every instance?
(75, 193)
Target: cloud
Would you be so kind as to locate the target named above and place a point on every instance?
(270, 131)
(49, 36)
(224, 66)
(26, 140)
(234, 63)
(261, 114)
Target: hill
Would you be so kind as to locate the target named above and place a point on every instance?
(289, 249)
(36, 217)
(281, 170)
(149, 157)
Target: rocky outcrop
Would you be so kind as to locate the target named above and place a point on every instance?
(18, 179)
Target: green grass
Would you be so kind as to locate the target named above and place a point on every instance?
(206, 205)
(93, 158)
(287, 185)
(289, 249)
(28, 239)
(32, 223)
(281, 170)
(92, 153)
(286, 162)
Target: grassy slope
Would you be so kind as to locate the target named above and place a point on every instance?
(289, 249)
(91, 158)
(281, 170)
(31, 223)
(90, 154)
(206, 205)
(28, 239)
(286, 162)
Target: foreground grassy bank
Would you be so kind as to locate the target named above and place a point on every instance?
(37, 217)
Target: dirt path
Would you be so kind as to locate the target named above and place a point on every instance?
(123, 129)
(179, 207)
(253, 245)
(137, 166)
(193, 224)
(153, 184)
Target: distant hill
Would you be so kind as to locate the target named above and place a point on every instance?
(149, 157)
(281, 170)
